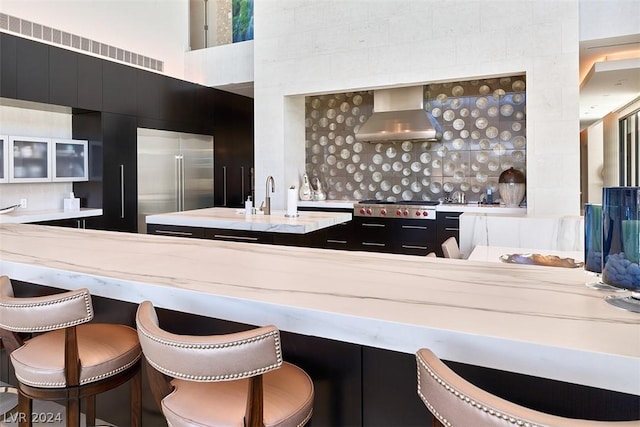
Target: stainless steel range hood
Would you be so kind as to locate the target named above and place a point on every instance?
(398, 115)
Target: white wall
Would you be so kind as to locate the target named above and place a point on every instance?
(304, 47)
(22, 119)
(595, 166)
(220, 65)
(155, 28)
(597, 18)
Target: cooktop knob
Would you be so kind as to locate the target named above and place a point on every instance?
(425, 213)
(362, 211)
(406, 212)
(417, 213)
(398, 212)
(368, 211)
(383, 211)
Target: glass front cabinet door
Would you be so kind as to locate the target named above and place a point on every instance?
(70, 160)
(29, 159)
(4, 158)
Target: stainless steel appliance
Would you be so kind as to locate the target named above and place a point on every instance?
(405, 227)
(175, 172)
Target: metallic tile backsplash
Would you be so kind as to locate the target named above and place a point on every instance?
(484, 133)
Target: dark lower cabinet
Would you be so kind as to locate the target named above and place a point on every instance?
(176, 231)
(398, 236)
(448, 226)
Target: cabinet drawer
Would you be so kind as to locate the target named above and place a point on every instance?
(238, 236)
(175, 230)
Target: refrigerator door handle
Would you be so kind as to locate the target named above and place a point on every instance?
(182, 207)
(224, 186)
(122, 191)
(177, 175)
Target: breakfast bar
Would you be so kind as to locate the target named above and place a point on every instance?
(537, 321)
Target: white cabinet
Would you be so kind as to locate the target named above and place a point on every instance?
(29, 159)
(4, 158)
(70, 160)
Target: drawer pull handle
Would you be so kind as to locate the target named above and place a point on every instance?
(415, 227)
(226, 236)
(413, 247)
(336, 241)
(174, 233)
(451, 229)
(366, 224)
(373, 244)
(452, 217)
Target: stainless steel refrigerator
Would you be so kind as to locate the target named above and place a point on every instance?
(175, 173)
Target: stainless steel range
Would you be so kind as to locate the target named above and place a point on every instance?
(424, 210)
(396, 227)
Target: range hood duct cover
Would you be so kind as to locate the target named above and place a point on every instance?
(398, 115)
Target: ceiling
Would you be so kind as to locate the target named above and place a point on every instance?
(609, 76)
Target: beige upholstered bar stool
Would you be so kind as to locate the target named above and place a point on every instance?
(450, 248)
(454, 401)
(236, 379)
(67, 359)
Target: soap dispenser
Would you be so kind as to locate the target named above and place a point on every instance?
(305, 189)
(248, 206)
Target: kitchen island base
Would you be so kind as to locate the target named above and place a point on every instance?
(359, 385)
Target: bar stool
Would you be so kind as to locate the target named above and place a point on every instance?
(67, 359)
(222, 380)
(454, 401)
(450, 248)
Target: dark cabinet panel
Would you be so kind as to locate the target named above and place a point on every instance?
(119, 172)
(233, 145)
(152, 96)
(63, 77)
(176, 231)
(89, 83)
(8, 66)
(32, 76)
(119, 88)
(448, 226)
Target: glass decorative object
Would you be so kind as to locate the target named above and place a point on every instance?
(593, 246)
(621, 244)
(511, 185)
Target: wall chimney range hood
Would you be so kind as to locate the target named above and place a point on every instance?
(398, 115)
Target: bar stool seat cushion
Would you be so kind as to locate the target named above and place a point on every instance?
(288, 400)
(104, 350)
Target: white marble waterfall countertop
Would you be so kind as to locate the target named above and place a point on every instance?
(540, 321)
(20, 216)
(235, 219)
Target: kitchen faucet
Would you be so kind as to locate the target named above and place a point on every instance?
(267, 199)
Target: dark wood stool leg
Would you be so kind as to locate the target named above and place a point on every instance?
(136, 398)
(73, 412)
(90, 411)
(25, 409)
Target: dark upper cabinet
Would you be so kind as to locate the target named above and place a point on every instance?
(32, 71)
(8, 67)
(89, 83)
(63, 77)
(119, 88)
(152, 96)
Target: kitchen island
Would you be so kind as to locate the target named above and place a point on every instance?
(235, 219)
(538, 321)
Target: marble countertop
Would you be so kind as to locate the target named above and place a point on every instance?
(540, 321)
(235, 219)
(20, 216)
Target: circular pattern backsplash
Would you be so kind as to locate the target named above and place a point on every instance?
(484, 133)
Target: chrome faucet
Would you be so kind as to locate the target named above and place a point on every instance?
(267, 199)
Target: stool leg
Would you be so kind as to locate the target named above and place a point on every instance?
(136, 398)
(73, 412)
(25, 409)
(90, 411)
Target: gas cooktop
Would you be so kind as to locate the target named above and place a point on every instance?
(404, 209)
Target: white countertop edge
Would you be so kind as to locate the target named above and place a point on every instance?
(553, 362)
(277, 222)
(23, 217)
